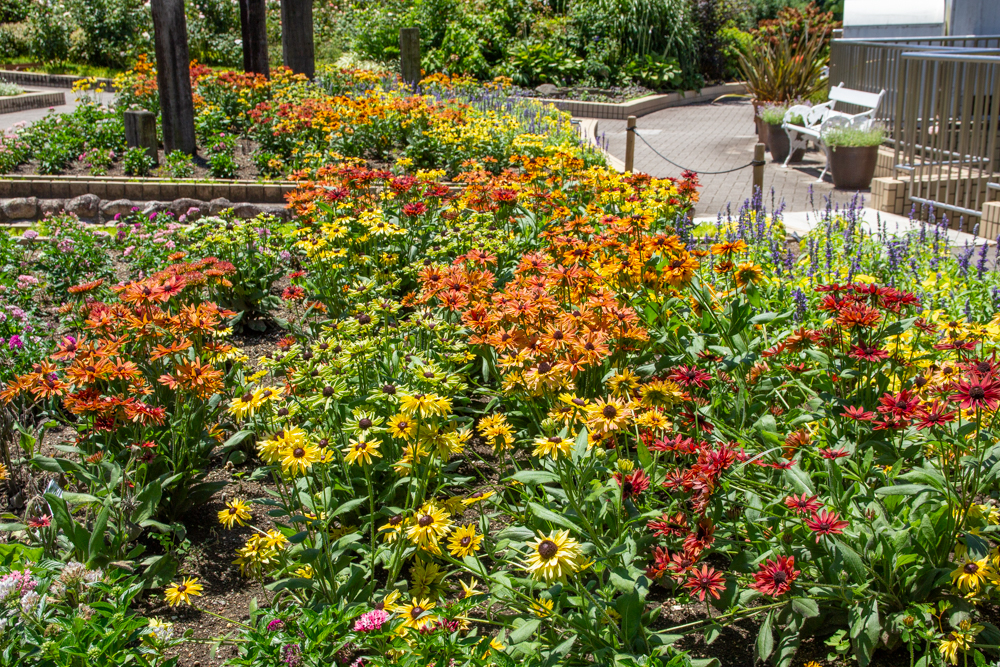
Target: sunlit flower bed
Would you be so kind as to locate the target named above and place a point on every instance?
(521, 419)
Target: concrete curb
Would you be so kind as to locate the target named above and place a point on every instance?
(644, 105)
(31, 99)
(49, 80)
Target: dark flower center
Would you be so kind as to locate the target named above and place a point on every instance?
(555, 440)
(181, 588)
(428, 374)
(327, 391)
(780, 577)
(977, 393)
(920, 381)
(609, 412)
(299, 453)
(396, 520)
(557, 335)
(365, 423)
(547, 549)
(415, 612)
(425, 520)
(983, 367)
(247, 397)
(579, 401)
(971, 568)
(465, 541)
(389, 389)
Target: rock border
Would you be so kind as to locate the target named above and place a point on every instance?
(643, 105)
(31, 99)
(111, 188)
(19, 212)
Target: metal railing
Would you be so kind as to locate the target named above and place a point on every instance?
(872, 65)
(946, 126)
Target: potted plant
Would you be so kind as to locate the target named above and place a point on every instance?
(772, 116)
(853, 153)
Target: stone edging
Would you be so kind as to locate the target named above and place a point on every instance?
(111, 188)
(49, 80)
(31, 99)
(644, 105)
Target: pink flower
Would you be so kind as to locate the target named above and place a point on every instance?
(370, 621)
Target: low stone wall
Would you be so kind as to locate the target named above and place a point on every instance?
(31, 99)
(644, 105)
(111, 187)
(91, 208)
(48, 80)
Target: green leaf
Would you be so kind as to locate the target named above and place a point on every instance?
(95, 547)
(550, 516)
(630, 608)
(853, 562)
(347, 507)
(903, 490)
(805, 607)
(534, 477)
(237, 438)
(524, 632)
(765, 637)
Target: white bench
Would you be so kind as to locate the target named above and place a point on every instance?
(818, 120)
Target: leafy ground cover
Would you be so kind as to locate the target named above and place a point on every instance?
(255, 127)
(521, 416)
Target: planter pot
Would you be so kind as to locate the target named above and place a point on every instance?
(778, 144)
(853, 167)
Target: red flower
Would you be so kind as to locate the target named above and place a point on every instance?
(666, 526)
(838, 453)
(802, 504)
(858, 414)
(775, 576)
(293, 293)
(935, 415)
(826, 523)
(705, 580)
(633, 483)
(865, 352)
(688, 376)
(977, 391)
(413, 209)
(45, 521)
(901, 405)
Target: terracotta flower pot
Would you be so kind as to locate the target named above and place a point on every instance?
(778, 144)
(853, 167)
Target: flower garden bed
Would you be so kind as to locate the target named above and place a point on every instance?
(528, 420)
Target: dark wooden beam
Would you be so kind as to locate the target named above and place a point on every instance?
(253, 23)
(173, 75)
(297, 49)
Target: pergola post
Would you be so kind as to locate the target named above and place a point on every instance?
(173, 75)
(409, 56)
(297, 47)
(253, 23)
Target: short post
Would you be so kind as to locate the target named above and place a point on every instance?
(758, 169)
(140, 132)
(629, 144)
(173, 76)
(409, 56)
(297, 48)
(253, 24)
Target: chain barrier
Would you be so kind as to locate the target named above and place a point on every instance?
(752, 163)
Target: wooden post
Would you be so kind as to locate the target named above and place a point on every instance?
(297, 48)
(140, 132)
(409, 56)
(173, 76)
(758, 170)
(253, 23)
(629, 144)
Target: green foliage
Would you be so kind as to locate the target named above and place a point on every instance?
(786, 67)
(853, 136)
(535, 63)
(137, 162)
(179, 165)
(109, 33)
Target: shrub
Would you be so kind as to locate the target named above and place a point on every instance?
(110, 33)
(179, 165)
(136, 161)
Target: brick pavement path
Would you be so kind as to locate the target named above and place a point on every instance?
(715, 137)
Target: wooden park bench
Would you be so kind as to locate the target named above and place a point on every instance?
(821, 118)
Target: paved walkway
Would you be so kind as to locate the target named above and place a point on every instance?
(716, 137)
(31, 115)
